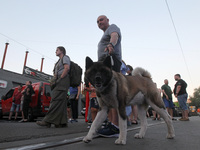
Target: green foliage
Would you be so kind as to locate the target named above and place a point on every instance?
(195, 99)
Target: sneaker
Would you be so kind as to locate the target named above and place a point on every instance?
(70, 120)
(21, 121)
(89, 122)
(174, 119)
(109, 131)
(104, 124)
(43, 123)
(74, 120)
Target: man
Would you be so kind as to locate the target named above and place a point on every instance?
(16, 102)
(181, 94)
(73, 98)
(57, 114)
(27, 92)
(167, 98)
(110, 44)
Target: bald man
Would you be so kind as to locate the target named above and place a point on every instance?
(167, 98)
(110, 44)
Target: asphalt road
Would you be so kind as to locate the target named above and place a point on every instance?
(14, 135)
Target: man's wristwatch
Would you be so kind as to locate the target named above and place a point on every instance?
(112, 44)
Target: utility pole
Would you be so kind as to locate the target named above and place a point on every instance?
(25, 60)
(41, 64)
(4, 56)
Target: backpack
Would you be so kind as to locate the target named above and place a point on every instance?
(75, 73)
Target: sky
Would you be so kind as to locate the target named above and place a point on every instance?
(161, 40)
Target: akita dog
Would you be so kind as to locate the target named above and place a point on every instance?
(115, 90)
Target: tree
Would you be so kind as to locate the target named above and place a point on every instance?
(195, 99)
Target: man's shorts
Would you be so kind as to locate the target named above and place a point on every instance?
(15, 106)
(168, 103)
(182, 99)
(94, 103)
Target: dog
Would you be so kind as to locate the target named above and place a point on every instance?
(115, 90)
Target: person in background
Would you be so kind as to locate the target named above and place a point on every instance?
(155, 114)
(125, 69)
(167, 98)
(94, 105)
(134, 113)
(27, 94)
(181, 94)
(74, 97)
(69, 116)
(57, 113)
(16, 103)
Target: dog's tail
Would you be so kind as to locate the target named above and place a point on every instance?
(142, 72)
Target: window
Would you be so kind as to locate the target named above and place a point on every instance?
(9, 94)
(48, 90)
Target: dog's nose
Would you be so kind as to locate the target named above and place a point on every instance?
(98, 78)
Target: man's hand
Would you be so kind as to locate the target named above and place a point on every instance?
(113, 41)
(109, 48)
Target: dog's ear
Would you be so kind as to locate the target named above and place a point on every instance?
(88, 62)
(108, 62)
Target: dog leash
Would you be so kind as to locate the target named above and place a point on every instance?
(111, 59)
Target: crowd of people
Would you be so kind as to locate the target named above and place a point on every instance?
(21, 101)
(64, 99)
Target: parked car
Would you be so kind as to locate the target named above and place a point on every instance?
(39, 105)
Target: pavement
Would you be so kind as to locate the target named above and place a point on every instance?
(30, 136)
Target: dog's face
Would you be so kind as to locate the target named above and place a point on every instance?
(98, 73)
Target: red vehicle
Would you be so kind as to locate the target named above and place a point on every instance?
(39, 105)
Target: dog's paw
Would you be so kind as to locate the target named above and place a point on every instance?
(170, 136)
(120, 142)
(87, 140)
(138, 136)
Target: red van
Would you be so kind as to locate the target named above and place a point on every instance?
(39, 105)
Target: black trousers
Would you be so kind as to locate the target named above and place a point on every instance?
(26, 108)
(74, 107)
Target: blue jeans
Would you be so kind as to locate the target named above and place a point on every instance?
(15, 106)
(182, 99)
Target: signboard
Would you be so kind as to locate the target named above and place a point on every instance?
(192, 108)
(37, 74)
(3, 84)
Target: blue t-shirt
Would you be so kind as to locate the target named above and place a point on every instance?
(73, 90)
(124, 68)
